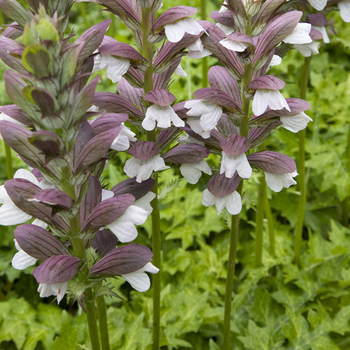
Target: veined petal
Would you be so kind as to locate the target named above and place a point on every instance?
(344, 8)
(295, 122)
(226, 29)
(138, 279)
(132, 166)
(209, 119)
(27, 175)
(124, 227)
(196, 46)
(116, 67)
(276, 181)
(97, 62)
(190, 25)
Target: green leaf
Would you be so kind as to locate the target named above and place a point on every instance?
(36, 59)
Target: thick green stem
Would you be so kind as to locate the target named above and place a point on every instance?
(147, 50)
(8, 162)
(301, 168)
(269, 217)
(102, 322)
(259, 224)
(204, 59)
(235, 218)
(231, 264)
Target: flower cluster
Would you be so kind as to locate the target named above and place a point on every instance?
(77, 224)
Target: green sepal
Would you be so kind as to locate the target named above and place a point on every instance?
(47, 31)
(105, 290)
(36, 59)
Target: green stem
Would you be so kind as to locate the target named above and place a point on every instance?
(259, 224)
(231, 264)
(301, 168)
(8, 162)
(151, 136)
(235, 218)
(204, 59)
(269, 217)
(102, 321)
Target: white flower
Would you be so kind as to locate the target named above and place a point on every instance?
(264, 98)
(176, 30)
(138, 279)
(344, 8)
(57, 289)
(116, 67)
(307, 49)
(122, 141)
(194, 123)
(234, 45)
(226, 29)
(124, 227)
(180, 71)
(189, 139)
(319, 5)
(296, 122)
(277, 181)
(164, 115)
(223, 8)
(232, 202)
(299, 35)
(323, 31)
(197, 50)
(208, 112)
(22, 260)
(276, 60)
(193, 171)
(145, 202)
(143, 168)
(239, 163)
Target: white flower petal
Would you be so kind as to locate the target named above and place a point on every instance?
(174, 32)
(244, 169)
(234, 203)
(194, 123)
(145, 202)
(344, 8)
(11, 215)
(193, 171)
(199, 54)
(180, 71)
(234, 45)
(40, 223)
(226, 29)
(220, 203)
(106, 194)
(264, 98)
(276, 60)
(276, 181)
(196, 46)
(22, 260)
(307, 49)
(295, 122)
(57, 289)
(223, 8)
(299, 35)
(208, 199)
(190, 25)
(239, 163)
(116, 67)
(164, 115)
(319, 5)
(124, 227)
(4, 197)
(138, 279)
(27, 175)
(323, 30)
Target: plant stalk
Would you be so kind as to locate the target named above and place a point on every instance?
(259, 224)
(301, 168)
(102, 322)
(151, 136)
(8, 162)
(235, 218)
(269, 217)
(231, 264)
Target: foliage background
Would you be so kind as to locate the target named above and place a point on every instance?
(277, 306)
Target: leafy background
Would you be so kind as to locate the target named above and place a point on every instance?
(277, 306)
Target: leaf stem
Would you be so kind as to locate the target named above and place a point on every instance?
(259, 224)
(301, 167)
(102, 322)
(8, 162)
(269, 217)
